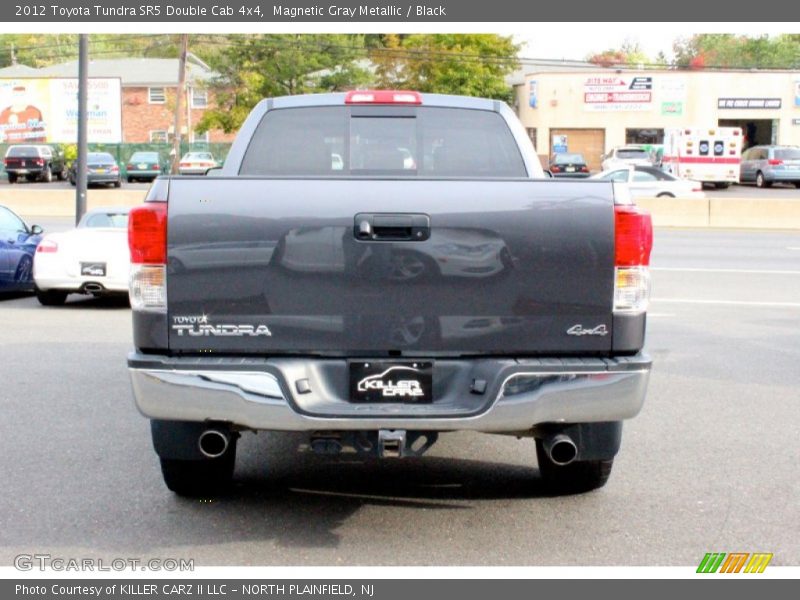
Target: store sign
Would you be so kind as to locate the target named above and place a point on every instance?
(748, 103)
(618, 93)
(533, 93)
(34, 110)
(672, 108)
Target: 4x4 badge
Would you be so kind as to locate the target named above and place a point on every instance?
(579, 330)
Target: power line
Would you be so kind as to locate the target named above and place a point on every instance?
(123, 45)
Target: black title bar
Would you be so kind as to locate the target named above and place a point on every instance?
(357, 11)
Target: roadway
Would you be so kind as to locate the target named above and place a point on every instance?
(709, 465)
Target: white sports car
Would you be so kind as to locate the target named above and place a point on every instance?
(91, 259)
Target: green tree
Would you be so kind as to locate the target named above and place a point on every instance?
(254, 67)
(630, 54)
(738, 51)
(466, 64)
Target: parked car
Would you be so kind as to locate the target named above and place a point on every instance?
(771, 164)
(144, 166)
(196, 163)
(17, 246)
(650, 182)
(34, 162)
(91, 259)
(101, 168)
(627, 155)
(568, 164)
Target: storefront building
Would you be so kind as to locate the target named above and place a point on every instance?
(594, 110)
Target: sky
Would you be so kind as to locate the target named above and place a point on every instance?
(577, 40)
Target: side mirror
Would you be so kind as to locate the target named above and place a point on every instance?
(548, 174)
(214, 172)
(36, 230)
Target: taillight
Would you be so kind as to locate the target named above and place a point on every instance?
(633, 237)
(147, 240)
(38, 162)
(147, 233)
(115, 169)
(129, 167)
(555, 169)
(775, 161)
(584, 169)
(383, 97)
(47, 246)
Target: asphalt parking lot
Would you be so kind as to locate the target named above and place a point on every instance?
(709, 465)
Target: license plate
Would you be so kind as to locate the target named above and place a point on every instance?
(23, 163)
(570, 169)
(99, 170)
(22, 171)
(93, 269)
(142, 167)
(391, 381)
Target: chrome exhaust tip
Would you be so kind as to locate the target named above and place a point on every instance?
(561, 449)
(212, 443)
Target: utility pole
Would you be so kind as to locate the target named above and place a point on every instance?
(179, 94)
(83, 87)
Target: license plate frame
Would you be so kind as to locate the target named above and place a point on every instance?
(390, 381)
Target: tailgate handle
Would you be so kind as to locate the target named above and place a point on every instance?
(397, 227)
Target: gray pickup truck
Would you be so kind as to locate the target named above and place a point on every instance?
(376, 268)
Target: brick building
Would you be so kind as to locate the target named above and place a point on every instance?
(149, 86)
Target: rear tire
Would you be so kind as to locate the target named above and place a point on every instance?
(575, 478)
(24, 270)
(797, 184)
(761, 182)
(51, 297)
(12, 178)
(117, 183)
(47, 174)
(192, 478)
(130, 179)
(722, 185)
(665, 195)
(60, 175)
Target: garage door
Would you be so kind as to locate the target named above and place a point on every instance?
(589, 142)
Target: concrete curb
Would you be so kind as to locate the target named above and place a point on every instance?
(742, 213)
(61, 203)
(747, 213)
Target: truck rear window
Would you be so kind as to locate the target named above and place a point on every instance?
(405, 142)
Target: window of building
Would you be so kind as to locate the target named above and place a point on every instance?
(199, 98)
(644, 136)
(156, 95)
(158, 136)
(200, 137)
(532, 134)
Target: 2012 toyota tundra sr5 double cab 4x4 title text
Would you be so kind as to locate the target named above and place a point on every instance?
(375, 268)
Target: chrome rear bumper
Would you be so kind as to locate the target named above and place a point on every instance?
(261, 394)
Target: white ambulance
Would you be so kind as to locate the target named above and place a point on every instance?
(711, 155)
